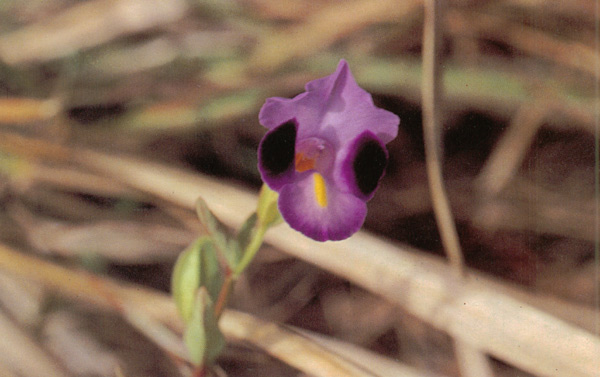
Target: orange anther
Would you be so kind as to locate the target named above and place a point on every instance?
(303, 164)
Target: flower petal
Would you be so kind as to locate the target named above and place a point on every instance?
(333, 107)
(306, 108)
(323, 191)
(321, 215)
(276, 154)
(350, 110)
(362, 165)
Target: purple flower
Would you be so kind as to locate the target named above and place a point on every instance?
(324, 153)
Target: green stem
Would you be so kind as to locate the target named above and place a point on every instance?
(232, 276)
(251, 250)
(199, 371)
(224, 295)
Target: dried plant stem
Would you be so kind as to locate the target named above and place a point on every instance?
(512, 148)
(72, 29)
(285, 344)
(545, 211)
(325, 27)
(154, 330)
(597, 167)
(432, 122)
(19, 352)
(26, 110)
(73, 179)
(472, 309)
(570, 54)
(152, 312)
(472, 362)
(381, 365)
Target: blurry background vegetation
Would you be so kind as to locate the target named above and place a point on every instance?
(181, 82)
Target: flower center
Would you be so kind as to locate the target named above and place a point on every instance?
(313, 154)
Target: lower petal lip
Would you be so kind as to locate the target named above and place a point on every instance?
(342, 216)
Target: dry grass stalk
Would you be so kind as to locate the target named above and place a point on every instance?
(84, 26)
(507, 156)
(116, 240)
(506, 328)
(27, 110)
(20, 299)
(382, 366)
(568, 217)
(75, 180)
(285, 344)
(522, 205)
(571, 54)
(472, 362)
(20, 353)
(325, 27)
(150, 311)
(433, 130)
(411, 280)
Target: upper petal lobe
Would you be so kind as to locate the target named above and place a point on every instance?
(333, 107)
(276, 154)
(361, 165)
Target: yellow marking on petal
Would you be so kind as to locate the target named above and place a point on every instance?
(320, 190)
(303, 164)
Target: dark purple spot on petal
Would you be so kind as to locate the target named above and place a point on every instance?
(369, 165)
(277, 149)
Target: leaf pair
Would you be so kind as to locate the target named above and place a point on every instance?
(196, 283)
(197, 266)
(202, 336)
(207, 269)
(237, 250)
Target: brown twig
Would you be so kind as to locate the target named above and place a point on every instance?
(432, 131)
(472, 362)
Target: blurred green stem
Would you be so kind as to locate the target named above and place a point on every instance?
(266, 215)
(224, 295)
(251, 249)
(232, 276)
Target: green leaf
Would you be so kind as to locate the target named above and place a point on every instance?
(266, 210)
(214, 231)
(197, 266)
(206, 216)
(246, 232)
(211, 275)
(202, 337)
(186, 278)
